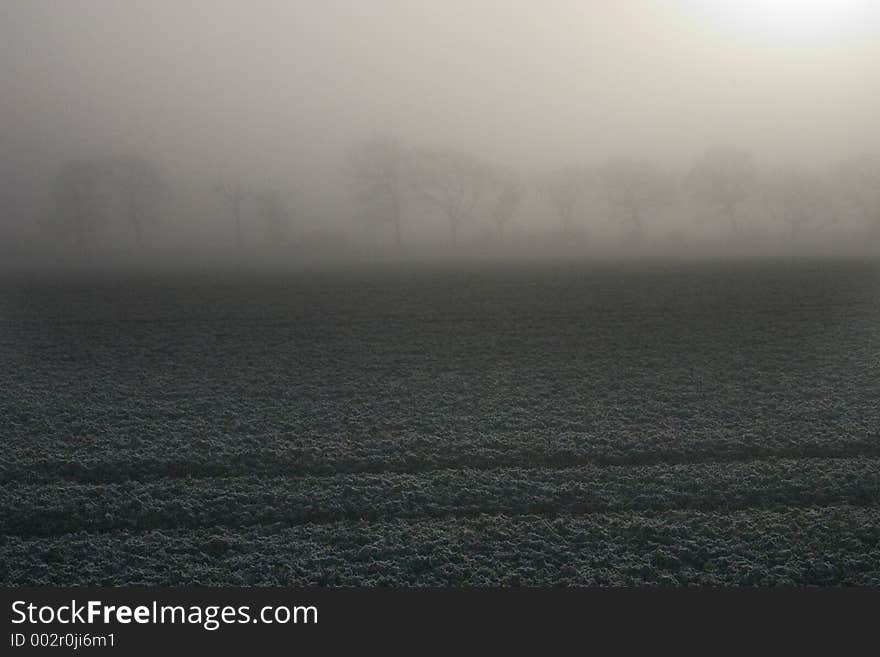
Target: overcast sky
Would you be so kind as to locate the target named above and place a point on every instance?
(275, 91)
(521, 81)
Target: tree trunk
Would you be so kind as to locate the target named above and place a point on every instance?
(395, 208)
(138, 233)
(80, 238)
(453, 231)
(730, 211)
(565, 213)
(236, 210)
(79, 229)
(135, 220)
(637, 222)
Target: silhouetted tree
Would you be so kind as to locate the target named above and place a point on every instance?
(78, 199)
(138, 184)
(510, 192)
(233, 196)
(633, 186)
(859, 180)
(799, 199)
(724, 178)
(451, 181)
(377, 169)
(562, 189)
(275, 214)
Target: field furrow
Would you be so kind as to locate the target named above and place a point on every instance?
(299, 458)
(543, 424)
(838, 545)
(52, 509)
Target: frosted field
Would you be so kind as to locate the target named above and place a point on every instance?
(451, 424)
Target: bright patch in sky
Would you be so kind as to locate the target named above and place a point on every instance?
(790, 22)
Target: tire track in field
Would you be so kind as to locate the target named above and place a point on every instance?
(792, 546)
(45, 510)
(301, 464)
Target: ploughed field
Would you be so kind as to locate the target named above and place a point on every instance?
(443, 425)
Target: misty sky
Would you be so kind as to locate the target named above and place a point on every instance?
(279, 89)
(513, 80)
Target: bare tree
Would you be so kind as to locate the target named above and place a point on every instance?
(859, 180)
(233, 196)
(78, 199)
(275, 214)
(451, 181)
(562, 189)
(377, 169)
(724, 178)
(799, 199)
(510, 193)
(139, 184)
(633, 186)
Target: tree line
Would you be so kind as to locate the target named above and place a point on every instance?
(389, 181)
(722, 181)
(88, 194)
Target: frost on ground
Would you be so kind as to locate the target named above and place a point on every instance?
(542, 424)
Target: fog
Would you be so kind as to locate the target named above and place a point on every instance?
(279, 116)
